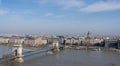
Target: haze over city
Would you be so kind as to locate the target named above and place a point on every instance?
(74, 17)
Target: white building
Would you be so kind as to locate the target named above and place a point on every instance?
(4, 40)
(16, 41)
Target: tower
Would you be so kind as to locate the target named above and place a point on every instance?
(17, 50)
(17, 53)
(56, 46)
(88, 35)
(88, 40)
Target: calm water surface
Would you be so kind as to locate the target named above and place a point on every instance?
(71, 58)
(76, 58)
(4, 50)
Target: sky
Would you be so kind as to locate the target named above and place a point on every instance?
(70, 17)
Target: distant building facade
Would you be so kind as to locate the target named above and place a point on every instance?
(119, 44)
(111, 43)
(35, 41)
(72, 40)
(4, 40)
(91, 40)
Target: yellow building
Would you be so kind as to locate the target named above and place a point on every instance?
(30, 42)
(35, 42)
(38, 41)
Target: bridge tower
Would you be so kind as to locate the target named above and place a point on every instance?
(17, 52)
(56, 46)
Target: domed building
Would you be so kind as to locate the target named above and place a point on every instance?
(91, 40)
(89, 36)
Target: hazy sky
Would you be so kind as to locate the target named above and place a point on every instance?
(60, 16)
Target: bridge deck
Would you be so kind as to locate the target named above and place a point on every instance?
(36, 52)
(2, 60)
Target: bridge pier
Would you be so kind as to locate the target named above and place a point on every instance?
(17, 59)
(17, 52)
(13, 59)
(56, 46)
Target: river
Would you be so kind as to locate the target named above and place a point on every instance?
(70, 57)
(76, 58)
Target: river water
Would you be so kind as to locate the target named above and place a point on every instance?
(70, 57)
(76, 58)
(4, 50)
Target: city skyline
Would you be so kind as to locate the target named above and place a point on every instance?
(60, 17)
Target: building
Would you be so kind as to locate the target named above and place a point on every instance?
(68, 41)
(119, 44)
(52, 39)
(16, 40)
(4, 40)
(29, 42)
(40, 41)
(72, 41)
(111, 43)
(35, 41)
(97, 40)
(91, 40)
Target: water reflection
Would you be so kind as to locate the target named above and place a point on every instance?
(17, 62)
(13, 62)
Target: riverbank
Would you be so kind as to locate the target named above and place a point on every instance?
(92, 48)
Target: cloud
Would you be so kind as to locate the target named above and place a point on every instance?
(3, 12)
(63, 3)
(102, 6)
(71, 3)
(82, 5)
(49, 14)
(21, 12)
(54, 15)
